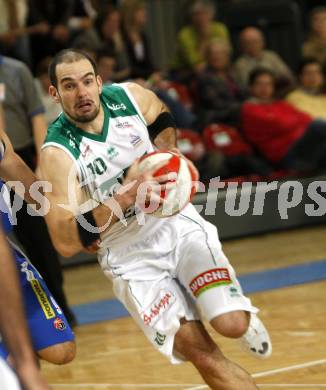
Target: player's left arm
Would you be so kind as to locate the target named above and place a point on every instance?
(160, 123)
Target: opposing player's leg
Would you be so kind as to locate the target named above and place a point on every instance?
(194, 343)
(52, 338)
(208, 276)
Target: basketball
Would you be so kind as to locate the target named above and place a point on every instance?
(177, 197)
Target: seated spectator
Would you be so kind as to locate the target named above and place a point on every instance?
(192, 40)
(106, 63)
(42, 83)
(55, 13)
(254, 55)
(219, 95)
(315, 44)
(134, 21)
(14, 32)
(106, 34)
(284, 135)
(309, 96)
(82, 17)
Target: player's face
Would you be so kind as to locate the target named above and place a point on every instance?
(78, 90)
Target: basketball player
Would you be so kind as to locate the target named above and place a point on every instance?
(51, 335)
(157, 268)
(13, 328)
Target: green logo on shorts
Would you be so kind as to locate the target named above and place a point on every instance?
(160, 338)
(234, 292)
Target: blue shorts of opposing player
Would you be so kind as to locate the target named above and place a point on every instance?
(49, 329)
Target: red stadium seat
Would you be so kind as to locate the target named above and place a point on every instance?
(225, 139)
(191, 144)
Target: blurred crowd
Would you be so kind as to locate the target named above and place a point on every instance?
(248, 115)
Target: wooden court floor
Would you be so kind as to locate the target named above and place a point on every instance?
(115, 354)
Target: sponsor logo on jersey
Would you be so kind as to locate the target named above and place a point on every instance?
(160, 338)
(209, 279)
(123, 125)
(115, 107)
(135, 140)
(59, 324)
(43, 299)
(86, 151)
(164, 300)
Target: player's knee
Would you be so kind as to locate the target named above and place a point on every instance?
(233, 324)
(60, 353)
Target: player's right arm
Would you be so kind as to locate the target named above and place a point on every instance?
(13, 327)
(67, 200)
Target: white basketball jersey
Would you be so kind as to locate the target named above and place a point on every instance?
(102, 159)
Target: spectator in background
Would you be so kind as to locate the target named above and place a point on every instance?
(309, 96)
(284, 135)
(106, 63)
(14, 32)
(26, 127)
(134, 21)
(42, 83)
(254, 55)
(315, 44)
(82, 17)
(193, 39)
(56, 13)
(106, 34)
(219, 95)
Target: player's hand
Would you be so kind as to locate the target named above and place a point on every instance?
(93, 248)
(31, 379)
(177, 151)
(142, 187)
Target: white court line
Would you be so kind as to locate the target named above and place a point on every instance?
(275, 371)
(194, 386)
(289, 368)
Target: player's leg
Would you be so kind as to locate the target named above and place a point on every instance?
(207, 275)
(170, 322)
(52, 338)
(194, 343)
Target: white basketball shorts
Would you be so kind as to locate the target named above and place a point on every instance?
(180, 271)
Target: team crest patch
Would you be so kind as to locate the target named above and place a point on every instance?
(59, 324)
(164, 300)
(209, 279)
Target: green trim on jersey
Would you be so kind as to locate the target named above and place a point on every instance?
(63, 132)
(115, 103)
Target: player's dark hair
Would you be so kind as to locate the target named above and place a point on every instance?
(68, 56)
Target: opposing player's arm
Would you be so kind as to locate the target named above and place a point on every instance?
(13, 168)
(160, 123)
